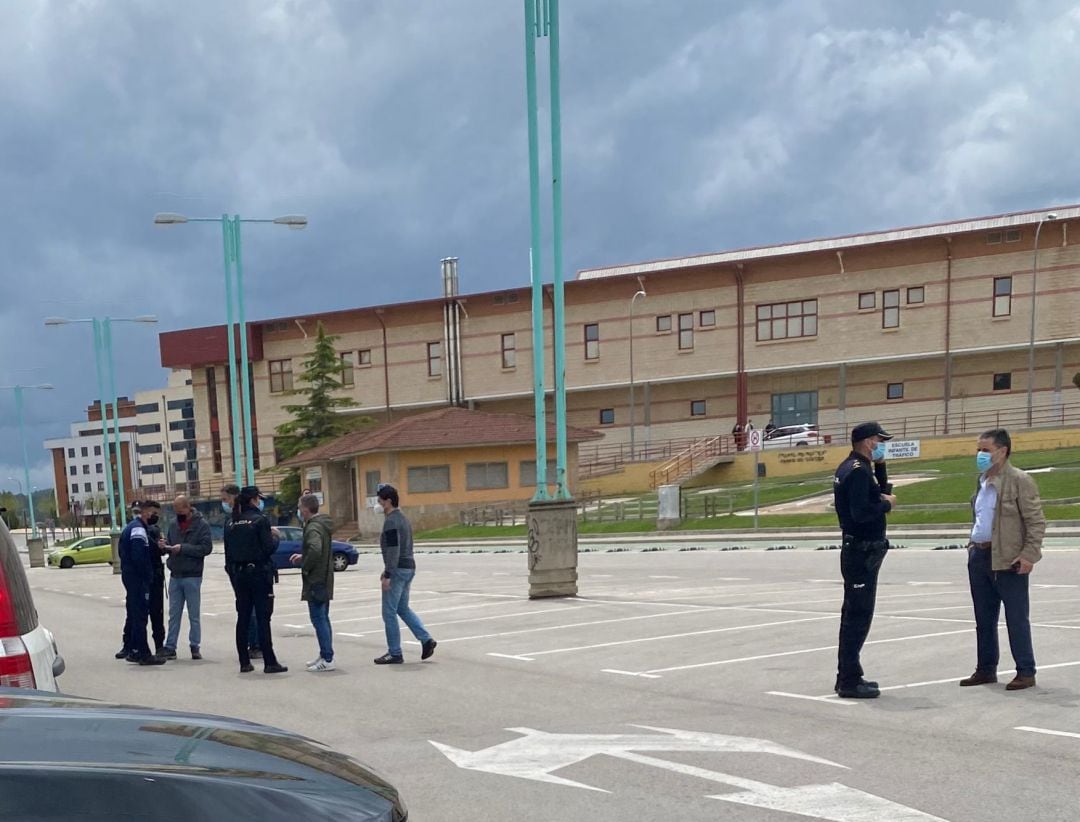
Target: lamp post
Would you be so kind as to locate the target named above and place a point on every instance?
(234, 287)
(103, 361)
(19, 389)
(1034, 285)
(640, 293)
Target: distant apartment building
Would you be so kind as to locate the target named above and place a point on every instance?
(925, 327)
(157, 450)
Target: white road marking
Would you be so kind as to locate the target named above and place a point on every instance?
(1047, 731)
(661, 576)
(829, 700)
(528, 655)
(629, 673)
(1045, 585)
(512, 656)
(918, 583)
(794, 653)
(426, 611)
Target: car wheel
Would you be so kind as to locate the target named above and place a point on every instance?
(802, 444)
(66, 562)
(341, 562)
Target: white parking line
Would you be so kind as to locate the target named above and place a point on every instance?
(529, 655)
(793, 653)
(1047, 731)
(832, 699)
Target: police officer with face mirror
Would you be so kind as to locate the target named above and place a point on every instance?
(863, 496)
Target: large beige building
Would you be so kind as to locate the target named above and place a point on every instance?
(927, 328)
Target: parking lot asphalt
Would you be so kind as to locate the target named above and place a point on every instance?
(678, 685)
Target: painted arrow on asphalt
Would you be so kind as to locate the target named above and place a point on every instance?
(536, 755)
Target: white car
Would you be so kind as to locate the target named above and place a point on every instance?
(28, 654)
(795, 436)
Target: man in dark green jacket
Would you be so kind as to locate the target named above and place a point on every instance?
(317, 569)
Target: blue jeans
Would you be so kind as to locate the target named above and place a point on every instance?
(989, 589)
(395, 603)
(184, 590)
(320, 621)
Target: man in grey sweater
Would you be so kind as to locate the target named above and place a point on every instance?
(189, 542)
(399, 568)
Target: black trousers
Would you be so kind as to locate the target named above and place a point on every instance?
(157, 607)
(859, 566)
(254, 589)
(989, 590)
(136, 604)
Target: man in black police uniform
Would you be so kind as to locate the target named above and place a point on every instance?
(863, 496)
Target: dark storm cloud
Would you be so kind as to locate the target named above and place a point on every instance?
(398, 128)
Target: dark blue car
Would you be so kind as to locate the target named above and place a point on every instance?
(291, 543)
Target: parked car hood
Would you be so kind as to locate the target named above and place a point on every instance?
(62, 755)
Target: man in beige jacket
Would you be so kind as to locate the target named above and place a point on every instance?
(1006, 542)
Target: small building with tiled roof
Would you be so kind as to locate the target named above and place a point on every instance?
(441, 462)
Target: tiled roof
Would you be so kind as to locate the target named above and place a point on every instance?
(450, 427)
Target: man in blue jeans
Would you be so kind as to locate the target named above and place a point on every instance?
(399, 568)
(188, 542)
(317, 570)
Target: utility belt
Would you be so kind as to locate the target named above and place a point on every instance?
(982, 545)
(869, 545)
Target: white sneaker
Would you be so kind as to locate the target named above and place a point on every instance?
(322, 665)
(313, 662)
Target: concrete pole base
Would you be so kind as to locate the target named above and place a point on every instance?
(35, 546)
(115, 538)
(553, 549)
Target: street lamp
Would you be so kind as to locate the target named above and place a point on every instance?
(19, 389)
(234, 280)
(1031, 342)
(103, 361)
(640, 293)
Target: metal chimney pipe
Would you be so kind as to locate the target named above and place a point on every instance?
(450, 276)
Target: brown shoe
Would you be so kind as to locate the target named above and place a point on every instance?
(981, 678)
(1021, 682)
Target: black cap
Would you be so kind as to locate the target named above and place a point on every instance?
(865, 430)
(251, 492)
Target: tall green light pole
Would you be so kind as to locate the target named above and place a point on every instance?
(103, 362)
(243, 463)
(542, 20)
(19, 389)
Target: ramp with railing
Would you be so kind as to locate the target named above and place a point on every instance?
(697, 459)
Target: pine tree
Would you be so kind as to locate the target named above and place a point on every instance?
(316, 422)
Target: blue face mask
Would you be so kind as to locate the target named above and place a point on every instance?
(259, 504)
(878, 454)
(226, 507)
(983, 460)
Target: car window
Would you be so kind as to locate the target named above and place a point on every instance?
(17, 586)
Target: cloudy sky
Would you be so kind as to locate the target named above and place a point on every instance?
(398, 127)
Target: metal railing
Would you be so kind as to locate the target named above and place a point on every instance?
(701, 455)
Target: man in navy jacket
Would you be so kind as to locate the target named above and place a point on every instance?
(137, 573)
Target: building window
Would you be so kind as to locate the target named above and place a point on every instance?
(686, 332)
(800, 408)
(147, 408)
(101, 486)
(149, 449)
(74, 487)
(527, 473)
(993, 238)
(894, 391)
(707, 318)
(152, 469)
(97, 450)
(483, 475)
(99, 468)
(697, 408)
(280, 376)
(215, 433)
(86, 469)
(1002, 296)
(783, 321)
(177, 405)
(916, 295)
(74, 470)
(371, 483)
(87, 487)
(434, 359)
(71, 453)
(85, 451)
(509, 350)
(1003, 382)
(347, 365)
(663, 324)
(1013, 235)
(890, 309)
(867, 300)
(592, 341)
(153, 428)
(429, 479)
(364, 357)
(607, 416)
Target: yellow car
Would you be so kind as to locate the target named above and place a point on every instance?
(82, 552)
